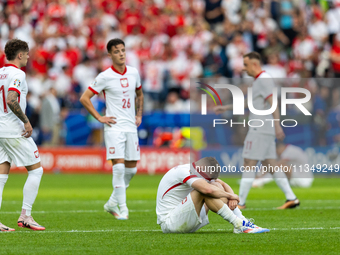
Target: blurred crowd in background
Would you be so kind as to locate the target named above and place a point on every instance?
(169, 42)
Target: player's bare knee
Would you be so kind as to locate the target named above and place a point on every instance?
(219, 185)
(130, 164)
(249, 162)
(117, 161)
(246, 161)
(33, 167)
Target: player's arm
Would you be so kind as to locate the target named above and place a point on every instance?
(232, 203)
(212, 191)
(85, 100)
(226, 187)
(13, 104)
(139, 108)
(280, 135)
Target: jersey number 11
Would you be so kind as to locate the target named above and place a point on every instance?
(2, 92)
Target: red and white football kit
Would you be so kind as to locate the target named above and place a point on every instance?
(260, 141)
(13, 146)
(121, 139)
(175, 209)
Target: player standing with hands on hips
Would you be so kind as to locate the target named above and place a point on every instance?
(16, 145)
(259, 144)
(119, 84)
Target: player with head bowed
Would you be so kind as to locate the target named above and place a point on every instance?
(119, 84)
(188, 192)
(259, 144)
(16, 143)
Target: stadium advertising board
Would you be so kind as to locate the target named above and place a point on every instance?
(93, 160)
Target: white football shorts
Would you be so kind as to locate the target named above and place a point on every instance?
(122, 145)
(184, 219)
(22, 151)
(259, 147)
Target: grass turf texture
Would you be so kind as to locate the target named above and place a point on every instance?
(71, 209)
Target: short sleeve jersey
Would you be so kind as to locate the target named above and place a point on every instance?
(119, 92)
(173, 188)
(12, 79)
(263, 87)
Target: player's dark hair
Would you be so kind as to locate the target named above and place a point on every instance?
(253, 55)
(114, 42)
(13, 47)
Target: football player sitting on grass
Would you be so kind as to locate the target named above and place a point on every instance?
(188, 192)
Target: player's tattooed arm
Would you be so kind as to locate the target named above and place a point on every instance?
(139, 108)
(13, 104)
(140, 102)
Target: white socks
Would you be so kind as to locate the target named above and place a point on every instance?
(283, 183)
(239, 214)
(229, 216)
(118, 195)
(245, 186)
(3, 180)
(129, 173)
(31, 189)
(279, 177)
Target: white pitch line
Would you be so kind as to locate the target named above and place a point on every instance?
(158, 230)
(73, 211)
(292, 229)
(146, 201)
(319, 228)
(298, 208)
(304, 201)
(76, 201)
(149, 210)
(87, 231)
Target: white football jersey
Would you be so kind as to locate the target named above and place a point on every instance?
(119, 92)
(263, 87)
(173, 188)
(11, 78)
(298, 158)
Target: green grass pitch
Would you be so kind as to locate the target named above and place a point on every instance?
(71, 209)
